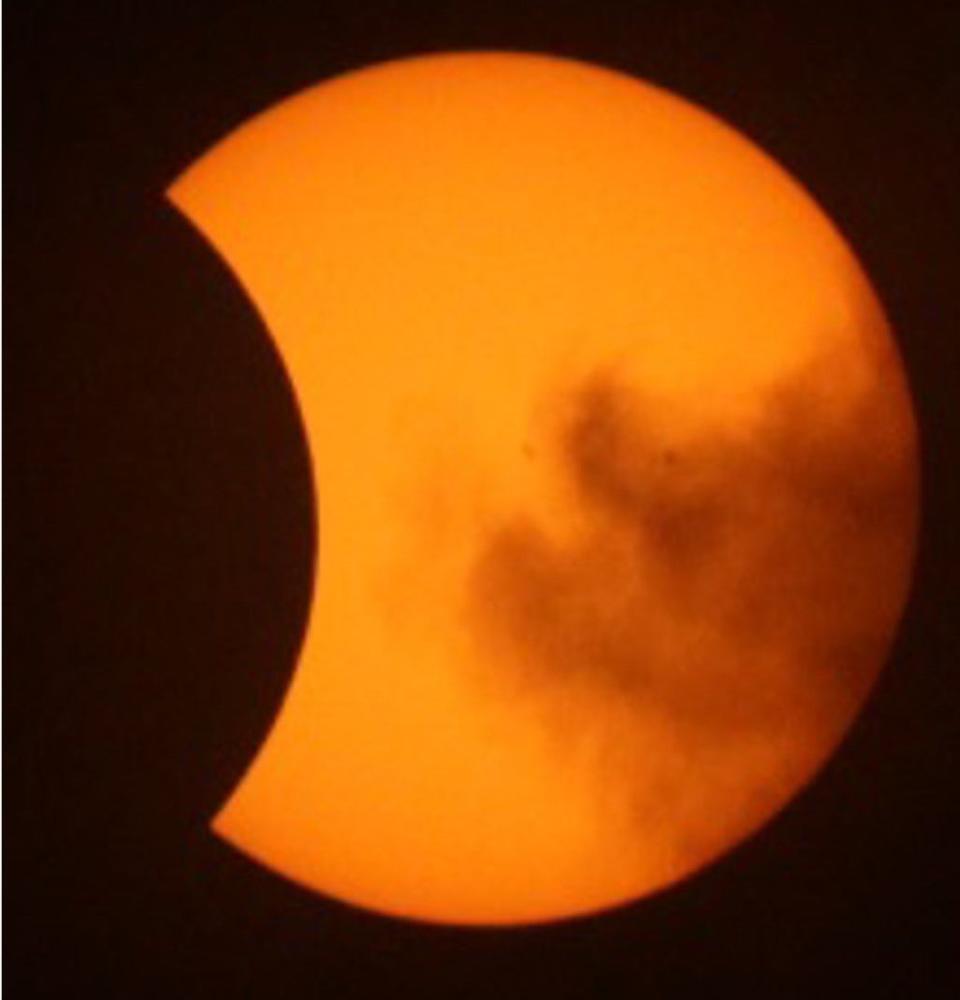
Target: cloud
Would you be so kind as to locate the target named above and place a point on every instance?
(711, 629)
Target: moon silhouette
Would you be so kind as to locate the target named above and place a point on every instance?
(616, 472)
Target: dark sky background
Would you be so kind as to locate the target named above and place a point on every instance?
(159, 534)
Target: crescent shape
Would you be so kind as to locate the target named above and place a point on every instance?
(617, 481)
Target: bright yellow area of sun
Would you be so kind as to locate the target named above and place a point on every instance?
(441, 247)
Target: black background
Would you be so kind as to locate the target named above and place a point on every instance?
(159, 529)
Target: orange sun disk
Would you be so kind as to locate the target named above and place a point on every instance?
(616, 474)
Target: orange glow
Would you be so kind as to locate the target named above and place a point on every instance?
(616, 476)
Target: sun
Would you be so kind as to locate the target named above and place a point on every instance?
(616, 471)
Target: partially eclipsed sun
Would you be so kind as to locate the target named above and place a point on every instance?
(616, 473)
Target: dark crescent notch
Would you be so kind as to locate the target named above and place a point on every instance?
(247, 499)
(192, 534)
(167, 524)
